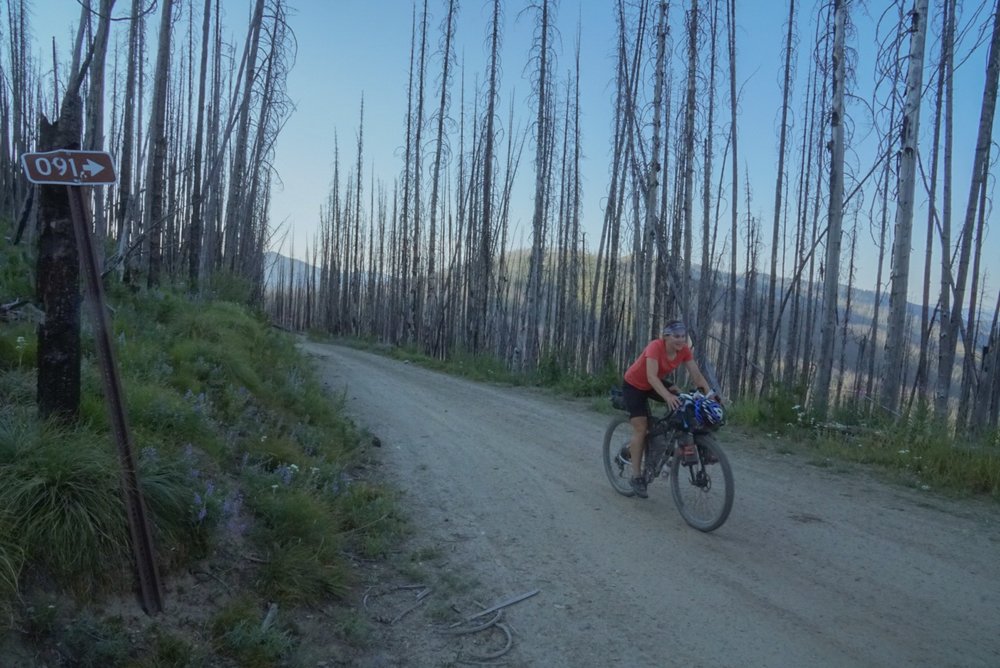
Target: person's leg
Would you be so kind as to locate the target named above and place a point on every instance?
(638, 410)
(638, 443)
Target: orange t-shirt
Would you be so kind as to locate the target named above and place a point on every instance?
(657, 350)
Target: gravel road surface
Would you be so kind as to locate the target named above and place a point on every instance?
(816, 566)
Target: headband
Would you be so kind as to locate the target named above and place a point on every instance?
(676, 328)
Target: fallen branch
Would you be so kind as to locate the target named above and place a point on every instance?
(385, 620)
(420, 600)
(499, 606)
(473, 629)
(492, 656)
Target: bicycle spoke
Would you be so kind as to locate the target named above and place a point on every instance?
(703, 491)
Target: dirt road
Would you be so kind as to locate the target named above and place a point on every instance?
(815, 567)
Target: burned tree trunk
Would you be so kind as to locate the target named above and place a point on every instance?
(58, 271)
(824, 362)
(897, 337)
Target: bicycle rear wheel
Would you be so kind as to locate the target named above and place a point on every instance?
(703, 491)
(619, 470)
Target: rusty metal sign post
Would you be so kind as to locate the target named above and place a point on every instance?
(76, 168)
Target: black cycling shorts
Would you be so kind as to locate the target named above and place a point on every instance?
(637, 401)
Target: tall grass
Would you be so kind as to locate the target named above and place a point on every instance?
(920, 452)
(240, 451)
(62, 493)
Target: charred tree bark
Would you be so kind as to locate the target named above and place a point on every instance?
(155, 182)
(58, 282)
(195, 235)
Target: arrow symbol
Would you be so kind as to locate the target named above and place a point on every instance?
(92, 167)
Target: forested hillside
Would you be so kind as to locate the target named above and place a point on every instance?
(190, 102)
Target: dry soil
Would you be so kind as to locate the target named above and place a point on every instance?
(816, 566)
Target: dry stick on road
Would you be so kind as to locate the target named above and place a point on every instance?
(493, 622)
(480, 659)
(473, 629)
(498, 606)
(420, 600)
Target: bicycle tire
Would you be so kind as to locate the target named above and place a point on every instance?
(618, 433)
(695, 488)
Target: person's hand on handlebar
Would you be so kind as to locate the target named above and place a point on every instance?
(672, 401)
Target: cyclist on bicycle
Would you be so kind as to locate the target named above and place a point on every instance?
(644, 381)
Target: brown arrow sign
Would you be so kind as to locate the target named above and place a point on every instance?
(73, 168)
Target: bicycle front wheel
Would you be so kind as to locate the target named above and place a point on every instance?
(618, 468)
(703, 490)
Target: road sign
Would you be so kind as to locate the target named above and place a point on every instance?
(72, 168)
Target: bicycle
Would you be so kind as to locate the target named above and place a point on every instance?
(683, 446)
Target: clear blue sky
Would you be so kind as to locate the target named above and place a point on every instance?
(350, 47)
(347, 48)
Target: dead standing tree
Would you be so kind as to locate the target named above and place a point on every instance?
(235, 226)
(529, 339)
(821, 388)
(58, 271)
(701, 324)
(943, 82)
(773, 318)
(126, 199)
(432, 333)
(651, 231)
(734, 351)
(155, 181)
(58, 263)
(897, 338)
(417, 283)
(196, 223)
(980, 169)
(93, 136)
(481, 279)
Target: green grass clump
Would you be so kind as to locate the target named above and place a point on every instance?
(780, 411)
(237, 632)
(88, 641)
(370, 516)
(299, 573)
(165, 650)
(16, 270)
(11, 561)
(62, 491)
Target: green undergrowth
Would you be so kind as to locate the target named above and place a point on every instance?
(553, 373)
(921, 452)
(247, 467)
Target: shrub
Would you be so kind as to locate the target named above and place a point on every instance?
(63, 491)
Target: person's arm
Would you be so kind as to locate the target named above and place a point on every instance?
(697, 377)
(669, 399)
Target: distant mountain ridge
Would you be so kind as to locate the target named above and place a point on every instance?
(278, 267)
